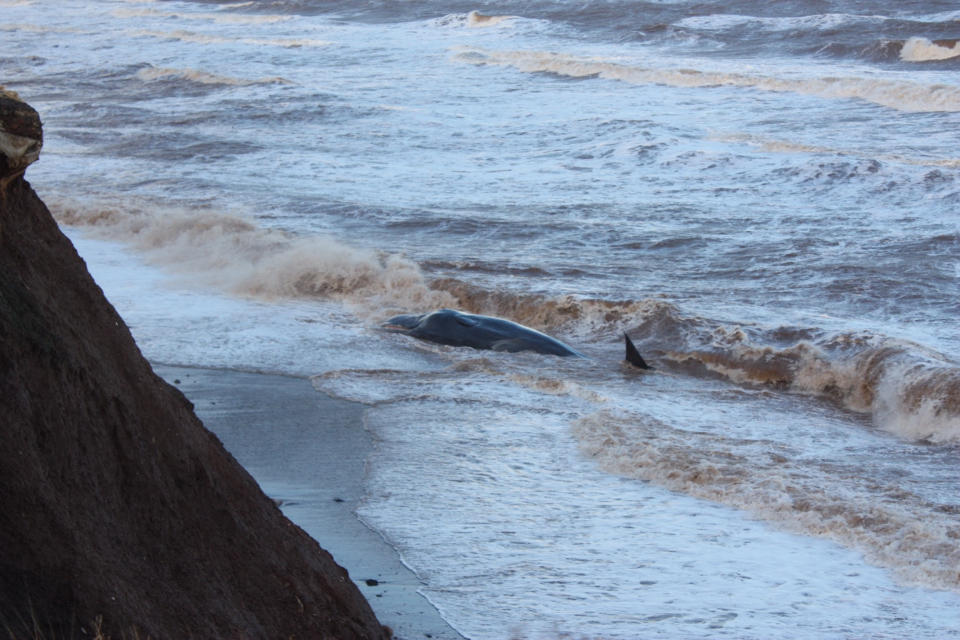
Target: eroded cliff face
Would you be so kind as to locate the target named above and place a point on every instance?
(117, 504)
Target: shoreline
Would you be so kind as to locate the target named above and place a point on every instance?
(308, 452)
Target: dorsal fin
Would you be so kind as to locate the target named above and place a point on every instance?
(633, 356)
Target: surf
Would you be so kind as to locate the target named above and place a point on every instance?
(902, 95)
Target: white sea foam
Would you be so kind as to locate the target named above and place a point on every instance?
(37, 28)
(893, 93)
(481, 489)
(472, 20)
(892, 527)
(234, 255)
(923, 50)
(824, 21)
(920, 402)
(906, 389)
(938, 18)
(477, 19)
(202, 77)
(288, 43)
(220, 18)
(182, 35)
(786, 146)
(203, 38)
(913, 397)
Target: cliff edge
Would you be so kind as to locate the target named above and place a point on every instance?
(120, 513)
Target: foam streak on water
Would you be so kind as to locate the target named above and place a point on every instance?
(764, 195)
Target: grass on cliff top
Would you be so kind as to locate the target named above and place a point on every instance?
(32, 629)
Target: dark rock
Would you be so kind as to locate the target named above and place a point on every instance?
(21, 136)
(119, 511)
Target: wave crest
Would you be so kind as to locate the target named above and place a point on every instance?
(893, 527)
(202, 77)
(923, 50)
(233, 254)
(580, 316)
(900, 95)
(222, 17)
(473, 19)
(907, 389)
(202, 38)
(477, 19)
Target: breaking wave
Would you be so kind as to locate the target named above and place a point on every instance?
(907, 389)
(785, 146)
(585, 318)
(477, 19)
(202, 38)
(202, 77)
(36, 28)
(895, 94)
(230, 253)
(923, 50)
(826, 21)
(223, 18)
(892, 526)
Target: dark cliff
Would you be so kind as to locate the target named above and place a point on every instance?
(117, 504)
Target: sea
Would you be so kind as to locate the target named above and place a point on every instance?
(765, 196)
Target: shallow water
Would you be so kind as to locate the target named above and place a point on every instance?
(763, 195)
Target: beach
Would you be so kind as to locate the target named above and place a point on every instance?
(307, 451)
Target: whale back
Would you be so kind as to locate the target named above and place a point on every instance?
(455, 328)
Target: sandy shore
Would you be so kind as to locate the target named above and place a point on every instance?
(307, 451)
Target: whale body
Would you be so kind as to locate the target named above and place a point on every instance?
(458, 329)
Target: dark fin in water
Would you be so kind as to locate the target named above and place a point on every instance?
(633, 356)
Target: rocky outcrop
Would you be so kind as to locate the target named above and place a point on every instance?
(119, 512)
(21, 136)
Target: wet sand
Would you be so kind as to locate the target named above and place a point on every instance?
(308, 452)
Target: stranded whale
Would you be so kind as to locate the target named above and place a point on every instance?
(458, 329)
